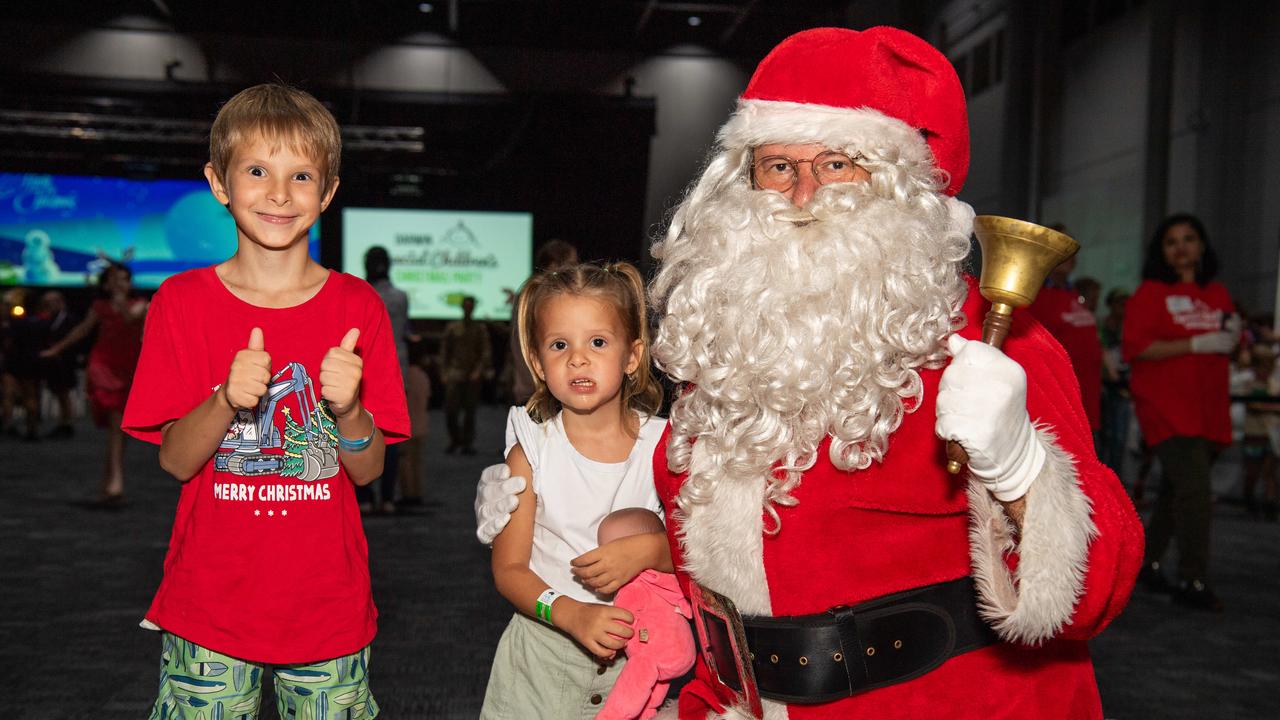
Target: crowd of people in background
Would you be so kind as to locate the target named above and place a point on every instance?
(1137, 420)
(38, 349)
(1176, 356)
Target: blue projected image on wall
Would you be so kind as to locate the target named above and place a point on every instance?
(59, 230)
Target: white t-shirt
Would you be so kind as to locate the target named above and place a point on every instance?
(575, 493)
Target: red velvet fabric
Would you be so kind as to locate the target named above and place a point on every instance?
(881, 68)
(903, 523)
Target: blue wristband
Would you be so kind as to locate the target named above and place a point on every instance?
(361, 444)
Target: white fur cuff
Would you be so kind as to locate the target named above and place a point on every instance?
(1033, 604)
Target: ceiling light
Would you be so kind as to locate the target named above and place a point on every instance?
(425, 7)
(695, 20)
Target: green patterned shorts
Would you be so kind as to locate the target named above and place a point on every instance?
(199, 684)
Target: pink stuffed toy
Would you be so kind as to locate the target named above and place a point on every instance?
(660, 651)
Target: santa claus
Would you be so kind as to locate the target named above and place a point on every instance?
(813, 304)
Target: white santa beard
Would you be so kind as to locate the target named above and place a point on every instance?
(790, 333)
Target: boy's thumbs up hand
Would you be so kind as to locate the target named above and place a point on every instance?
(340, 374)
(349, 340)
(250, 372)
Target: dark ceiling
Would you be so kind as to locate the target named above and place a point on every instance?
(403, 148)
(736, 28)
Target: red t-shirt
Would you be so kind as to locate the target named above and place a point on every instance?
(1186, 395)
(1064, 315)
(268, 560)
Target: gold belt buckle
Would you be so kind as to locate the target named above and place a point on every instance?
(712, 607)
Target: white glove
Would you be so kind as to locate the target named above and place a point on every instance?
(1219, 342)
(982, 404)
(1222, 342)
(496, 500)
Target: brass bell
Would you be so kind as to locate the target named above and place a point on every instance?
(1016, 258)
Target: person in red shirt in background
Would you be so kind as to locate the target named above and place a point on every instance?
(1061, 309)
(1179, 331)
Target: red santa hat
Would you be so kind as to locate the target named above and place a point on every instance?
(847, 89)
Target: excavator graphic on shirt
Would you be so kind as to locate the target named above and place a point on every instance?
(309, 448)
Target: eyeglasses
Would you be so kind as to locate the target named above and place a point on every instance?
(779, 172)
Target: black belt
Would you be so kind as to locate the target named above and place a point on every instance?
(850, 649)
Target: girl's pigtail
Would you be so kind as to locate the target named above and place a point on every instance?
(541, 405)
(640, 391)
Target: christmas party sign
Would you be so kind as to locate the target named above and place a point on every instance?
(439, 257)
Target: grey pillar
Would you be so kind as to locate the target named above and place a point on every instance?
(1159, 104)
(1017, 153)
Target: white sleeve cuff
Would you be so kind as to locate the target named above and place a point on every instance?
(1033, 604)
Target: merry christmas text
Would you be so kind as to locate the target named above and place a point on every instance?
(271, 492)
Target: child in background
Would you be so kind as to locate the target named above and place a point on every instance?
(261, 378)
(418, 392)
(662, 649)
(586, 439)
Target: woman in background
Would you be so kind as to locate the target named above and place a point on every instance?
(1178, 334)
(118, 317)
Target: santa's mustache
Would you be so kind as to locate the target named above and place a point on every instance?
(838, 202)
(794, 215)
(831, 202)
(847, 220)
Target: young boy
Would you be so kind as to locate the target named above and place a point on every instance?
(261, 379)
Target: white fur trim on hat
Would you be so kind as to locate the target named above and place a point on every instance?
(1038, 600)
(763, 122)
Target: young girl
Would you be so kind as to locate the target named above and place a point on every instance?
(586, 438)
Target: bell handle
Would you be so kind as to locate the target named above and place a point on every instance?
(995, 328)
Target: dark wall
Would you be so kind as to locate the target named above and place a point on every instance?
(578, 163)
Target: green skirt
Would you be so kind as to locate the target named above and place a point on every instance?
(539, 673)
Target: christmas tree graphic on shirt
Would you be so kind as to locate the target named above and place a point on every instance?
(308, 447)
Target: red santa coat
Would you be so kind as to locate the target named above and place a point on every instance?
(906, 523)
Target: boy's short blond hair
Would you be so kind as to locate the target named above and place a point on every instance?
(277, 113)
